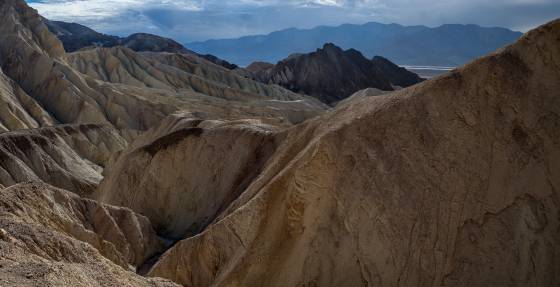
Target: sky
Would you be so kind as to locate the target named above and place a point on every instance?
(197, 20)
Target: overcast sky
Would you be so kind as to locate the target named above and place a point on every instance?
(194, 20)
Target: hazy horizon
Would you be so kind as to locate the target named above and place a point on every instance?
(198, 20)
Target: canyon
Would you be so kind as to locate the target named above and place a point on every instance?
(121, 167)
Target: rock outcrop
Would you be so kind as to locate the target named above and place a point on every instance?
(51, 237)
(453, 182)
(331, 74)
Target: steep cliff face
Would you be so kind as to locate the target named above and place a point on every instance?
(453, 182)
(331, 74)
(51, 237)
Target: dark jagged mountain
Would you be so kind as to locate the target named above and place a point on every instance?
(143, 42)
(398, 76)
(219, 61)
(447, 45)
(331, 74)
(75, 37)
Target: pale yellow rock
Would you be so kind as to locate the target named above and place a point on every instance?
(69, 157)
(187, 171)
(59, 239)
(17, 109)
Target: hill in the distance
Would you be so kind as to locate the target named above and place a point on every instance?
(75, 37)
(447, 45)
(331, 74)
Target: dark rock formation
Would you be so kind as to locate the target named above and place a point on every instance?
(331, 74)
(75, 36)
(398, 76)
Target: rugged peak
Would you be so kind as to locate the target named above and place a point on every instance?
(332, 74)
(381, 59)
(331, 47)
(153, 43)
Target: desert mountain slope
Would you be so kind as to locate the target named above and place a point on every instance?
(184, 173)
(18, 110)
(173, 72)
(130, 99)
(51, 237)
(452, 182)
(26, 42)
(331, 74)
(69, 157)
(76, 37)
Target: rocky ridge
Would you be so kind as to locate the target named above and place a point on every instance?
(77, 37)
(331, 74)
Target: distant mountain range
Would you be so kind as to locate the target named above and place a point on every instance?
(331, 74)
(447, 45)
(75, 37)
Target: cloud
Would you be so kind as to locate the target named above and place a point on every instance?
(99, 9)
(190, 20)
